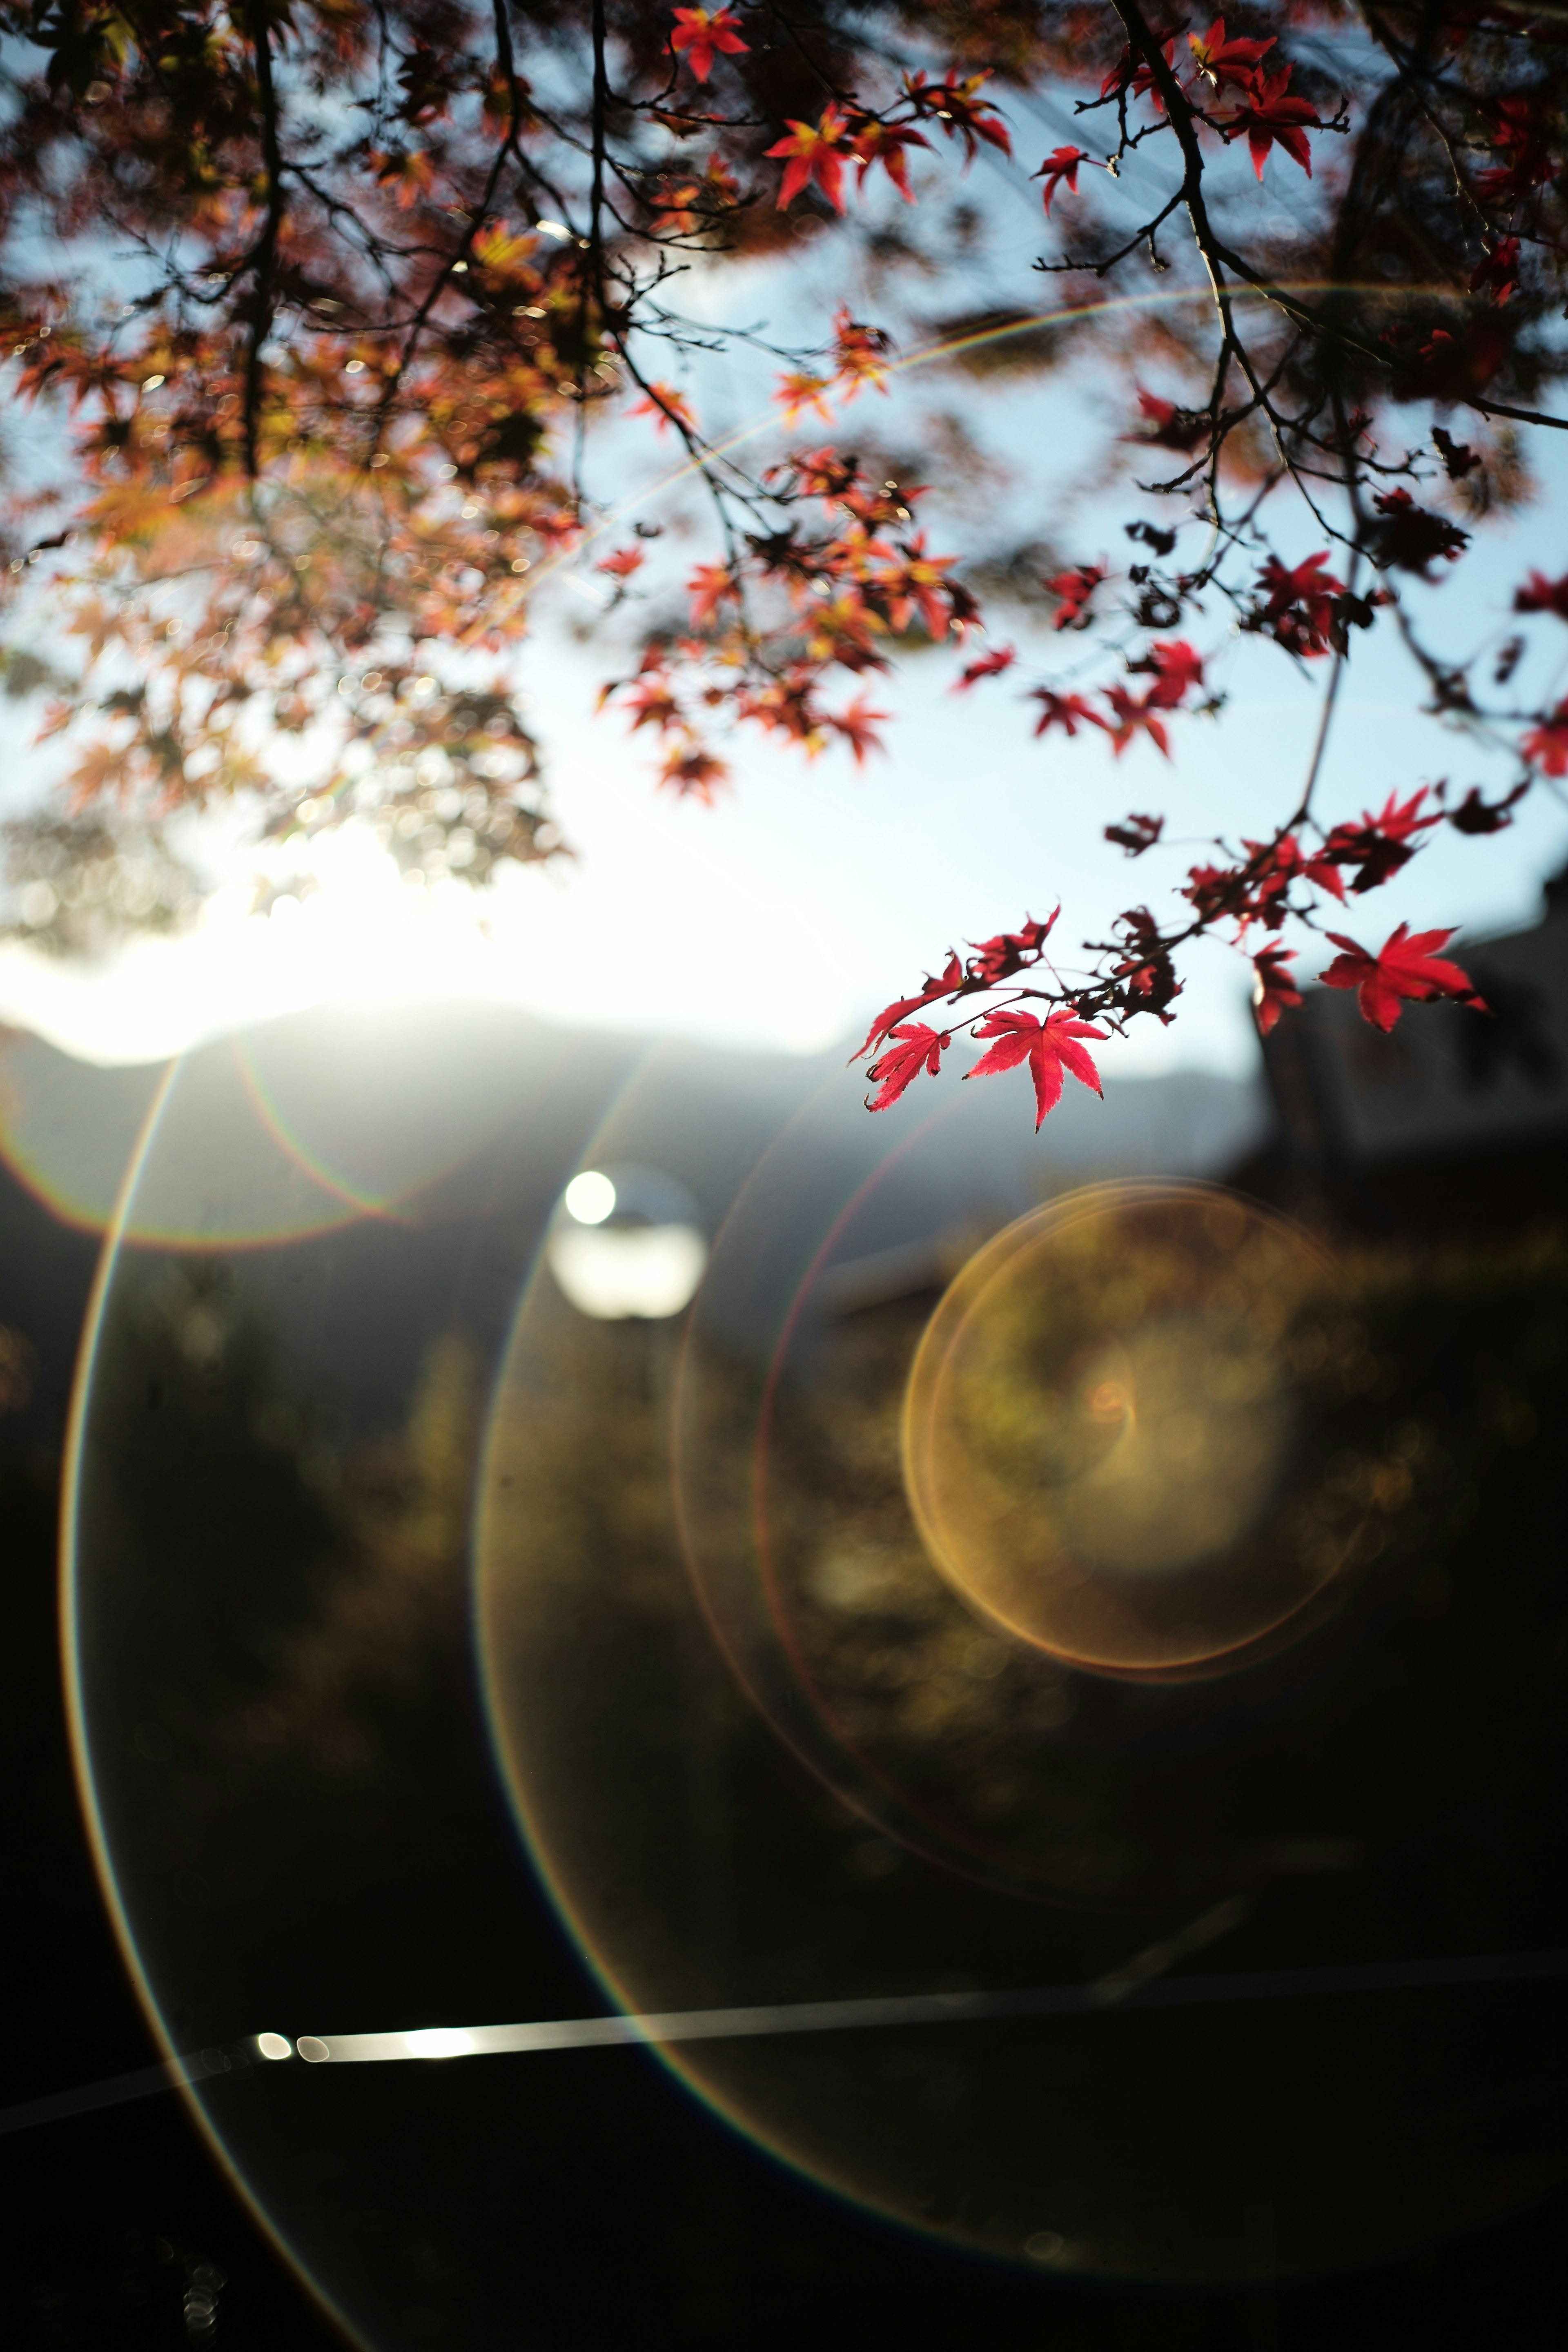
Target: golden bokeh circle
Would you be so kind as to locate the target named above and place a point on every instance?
(1108, 1443)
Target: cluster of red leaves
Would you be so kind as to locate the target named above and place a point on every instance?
(1174, 665)
(1229, 87)
(1051, 1045)
(314, 453)
(839, 597)
(815, 154)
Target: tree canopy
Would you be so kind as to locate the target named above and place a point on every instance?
(319, 307)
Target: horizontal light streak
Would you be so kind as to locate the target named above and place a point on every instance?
(1123, 1987)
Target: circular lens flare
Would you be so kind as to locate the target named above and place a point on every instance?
(1106, 1427)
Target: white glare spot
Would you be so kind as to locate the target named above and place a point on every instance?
(311, 2049)
(649, 1271)
(554, 228)
(590, 1197)
(273, 2045)
(440, 2042)
(150, 382)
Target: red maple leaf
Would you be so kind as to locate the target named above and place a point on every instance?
(1220, 60)
(1499, 270)
(858, 725)
(1542, 596)
(890, 1014)
(1268, 115)
(622, 563)
(997, 960)
(694, 773)
(1137, 834)
(701, 34)
(1300, 603)
(1379, 845)
(1476, 815)
(1064, 711)
(1458, 458)
(921, 1048)
(1059, 167)
(1170, 427)
(961, 112)
(1409, 536)
(1075, 588)
(1175, 666)
(872, 142)
(989, 664)
(860, 356)
(1547, 746)
(1404, 969)
(665, 407)
(652, 703)
(1280, 866)
(1132, 715)
(707, 587)
(800, 390)
(813, 151)
(1273, 988)
(1138, 81)
(1050, 1048)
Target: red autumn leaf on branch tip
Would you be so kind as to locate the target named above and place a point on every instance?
(858, 725)
(1498, 269)
(1404, 969)
(1299, 603)
(622, 562)
(701, 33)
(1477, 814)
(1177, 667)
(920, 1048)
(884, 143)
(997, 960)
(665, 407)
(1542, 596)
(892, 1015)
(1136, 833)
(1064, 711)
(694, 773)
(1409, 537)
(1220, 60)
(1050, 1046)
(1075, 588)
(1268, 116)
(798, 390)
(1546, 747)
(1380, 845)
(1130, 715)
(707, 587)
(1170, 427)
(651, 702)
(959, 109)
(1061, 169)
(813, 151)
(1273, 988)
(860, 355)
(989, 664)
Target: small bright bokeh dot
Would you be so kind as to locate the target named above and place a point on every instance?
(590, 1198)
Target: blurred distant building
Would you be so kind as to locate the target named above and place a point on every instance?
(1470, 1108)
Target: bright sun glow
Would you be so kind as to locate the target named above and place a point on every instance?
(590, 1198)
